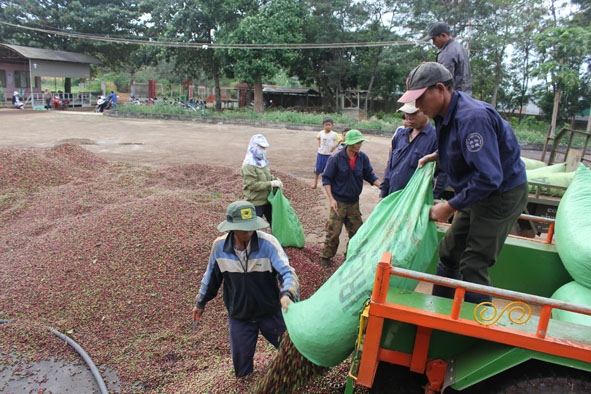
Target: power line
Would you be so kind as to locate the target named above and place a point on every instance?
(177, 44)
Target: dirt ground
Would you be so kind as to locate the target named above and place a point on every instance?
(165, 142)
(158, 143)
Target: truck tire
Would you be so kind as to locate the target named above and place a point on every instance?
(396, 379)
(535, 377)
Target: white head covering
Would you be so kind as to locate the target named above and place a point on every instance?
(256, 153)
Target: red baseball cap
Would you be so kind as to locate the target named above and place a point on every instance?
(421, 78)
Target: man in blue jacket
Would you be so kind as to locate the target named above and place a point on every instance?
(250, 264)
(481, 156)
(343, 182)
(407, 147)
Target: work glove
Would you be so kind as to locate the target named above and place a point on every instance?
(276, 183)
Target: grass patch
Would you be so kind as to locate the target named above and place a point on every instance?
(529, 130)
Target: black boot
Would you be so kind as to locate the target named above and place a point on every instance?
(443, 291)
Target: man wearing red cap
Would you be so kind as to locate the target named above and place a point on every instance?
(480, 153)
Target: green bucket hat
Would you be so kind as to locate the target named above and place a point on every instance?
(241, 215)
(353, 137)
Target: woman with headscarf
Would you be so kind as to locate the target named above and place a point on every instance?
(257, 180)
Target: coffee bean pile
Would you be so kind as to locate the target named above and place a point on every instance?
(112, 254)
(289, 371)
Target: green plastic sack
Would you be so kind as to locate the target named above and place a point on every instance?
(576, 294)
(573, 227)
(547, 185)
(531, 164)
(285, 226)
(553, 175)
(541, 171)
(324, 327)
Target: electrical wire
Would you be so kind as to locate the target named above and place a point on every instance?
(202, 45)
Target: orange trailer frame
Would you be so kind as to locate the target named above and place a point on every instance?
(553, 341)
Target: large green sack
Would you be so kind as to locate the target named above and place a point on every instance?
(547, 185)
(574, 293)
(531, 164)
(285, 226)
(542, 171)
(324, 327)
(551, 175)
(573, 227)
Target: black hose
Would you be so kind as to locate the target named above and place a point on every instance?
(87, 359)
(95, 372)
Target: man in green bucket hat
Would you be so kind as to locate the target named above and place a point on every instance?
(343, 182)
(249, 263)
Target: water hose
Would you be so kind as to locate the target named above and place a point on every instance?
(95, 372)
(93, 369)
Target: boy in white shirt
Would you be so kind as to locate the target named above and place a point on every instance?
(328, 141)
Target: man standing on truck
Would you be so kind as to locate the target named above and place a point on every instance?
(408, 145)
(452, 55)
(480, 153)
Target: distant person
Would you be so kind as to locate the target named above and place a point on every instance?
(343, 182)
(404, 126)
(481, 156)
(342, 145)
(452, 55)
(404, 122)
(328, 141)
(16, 101)
(2, 98)
(48, 97)
(113, 98)
(257, 180)
(407, 147)
(258, 282)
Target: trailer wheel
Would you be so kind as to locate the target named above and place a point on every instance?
(396, 379)
(545, 385)
(535, 377)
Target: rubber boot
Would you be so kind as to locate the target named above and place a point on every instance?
(443, 291)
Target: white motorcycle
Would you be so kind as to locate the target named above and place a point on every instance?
(16, 101)
(102, 104)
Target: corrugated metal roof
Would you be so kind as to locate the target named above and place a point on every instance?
(49, 54)
(288, 90)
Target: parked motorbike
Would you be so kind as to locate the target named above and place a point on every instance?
(16, 101)
(134, 100)
(60, 103)
(103, 103)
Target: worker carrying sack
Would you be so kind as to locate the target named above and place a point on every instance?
(285, 226)
(324, 327)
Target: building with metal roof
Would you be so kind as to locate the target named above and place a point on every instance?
(19, 65)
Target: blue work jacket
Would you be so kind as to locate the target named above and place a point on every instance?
(478, 150)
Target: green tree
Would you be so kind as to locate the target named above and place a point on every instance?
(276, 22)
(198, 21)
(109, 17)
(562, 51)
(329, 69)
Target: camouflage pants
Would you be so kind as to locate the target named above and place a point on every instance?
(347, 214)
